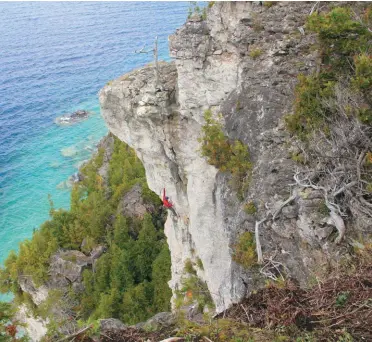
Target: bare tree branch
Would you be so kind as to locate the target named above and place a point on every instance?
(289, 200)
(155, 52)
(258, 243)
(75, 334)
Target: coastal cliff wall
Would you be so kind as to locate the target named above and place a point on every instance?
(215, 68)
(242, 61)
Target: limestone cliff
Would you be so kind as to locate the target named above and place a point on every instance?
(242, 61)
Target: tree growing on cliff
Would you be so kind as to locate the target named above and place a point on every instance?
(156, 62)
(225, 154)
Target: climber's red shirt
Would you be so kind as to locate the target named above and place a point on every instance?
(166, 203)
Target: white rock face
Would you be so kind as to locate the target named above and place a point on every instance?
(35, 327)
(38, 294)
(165, 138)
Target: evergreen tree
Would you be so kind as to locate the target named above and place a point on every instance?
(88, 302)
(102, 274)
(121, 231)
(136, 305)
(146, 249)
(121, 277)
(161, 274)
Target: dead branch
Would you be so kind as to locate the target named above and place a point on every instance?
(366, 203)
(207, 339)
(272, 268)
(335, 212)
(75, 334)
(155, 52)
(258, 243)
(347, 186)
(359, 163)
(289, 200)
(313, 8)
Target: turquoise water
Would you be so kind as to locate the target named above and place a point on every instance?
(54, 58)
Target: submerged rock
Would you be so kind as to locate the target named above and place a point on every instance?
(70, 151)
(73, 118)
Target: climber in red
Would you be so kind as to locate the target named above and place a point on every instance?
(167, 203)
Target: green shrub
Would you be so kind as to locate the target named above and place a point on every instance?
(298, 158)
(342, 299)
(255, 53)
(196, 289)
(269, 4)
(189, 267)
(365, 115)
(257, 24)
(309, 112)
(199, 263)
(250, 208)
(323, 209)
(226, 155)
(363, 72)
(345, 48)
(340, 36)
(194, 8)
(244, 252)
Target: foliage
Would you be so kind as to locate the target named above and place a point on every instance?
(345, 50)
(245, 250)
(8, 326)
(340, 35)
(309, 113)
(226, 155)
(189, 267)
(130, 280)
(194, 289)
(292, 310)
(298, 158)
(257, 23)
(250, 208)
(211, 4)
(255, 53)
(195, 8)
(323, 209)
(269, 4)
(363, 71)
(199, 263)
(224, 330)
(161, 274)
(341, 299)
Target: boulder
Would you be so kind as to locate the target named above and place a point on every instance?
(70, 264)
(160, 320)
(133, 204)
(111, 324)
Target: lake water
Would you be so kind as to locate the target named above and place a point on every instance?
(54, 58)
